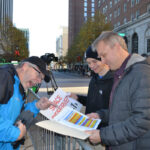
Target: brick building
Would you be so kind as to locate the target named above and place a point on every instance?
(131, 17)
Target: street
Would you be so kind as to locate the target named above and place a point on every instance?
(69, 82)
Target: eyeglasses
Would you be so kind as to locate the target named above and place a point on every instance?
(39, 73)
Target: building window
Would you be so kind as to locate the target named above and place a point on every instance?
(85, 14)
(135, 43)
(110, 4)
(115, 13)
(92, 4)
(137, 1)
(110, 17)
(125, 20)
(137, 13)
(92, 9)
(132, 3)
(85, 4)
(105, 19)
(85, 8)
(148, 45)
(115, 1)
(132, 17)
(92, 14)
(92, 1)
(118, 11)
(125, 7)
(99, 3)
(85, 18)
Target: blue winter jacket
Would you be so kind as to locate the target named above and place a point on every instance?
(12, 98)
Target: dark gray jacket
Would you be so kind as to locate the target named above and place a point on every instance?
(129, 114)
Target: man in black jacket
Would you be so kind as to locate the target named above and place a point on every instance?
(129, 106)
(99, 86)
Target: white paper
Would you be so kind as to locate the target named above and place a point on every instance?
(67, 115)
(62, 100)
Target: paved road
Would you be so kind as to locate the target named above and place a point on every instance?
(68, 82)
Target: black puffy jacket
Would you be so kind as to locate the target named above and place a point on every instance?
(98, 93)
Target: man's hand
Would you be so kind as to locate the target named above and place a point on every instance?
(44, 103)
(94, 136)
(93, 116)
(22, 128)
(74, 96)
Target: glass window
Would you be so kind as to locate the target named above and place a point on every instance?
(115, 13)
(132, 3)
(92, 14)
(118, 11)
(92, 1)
(85, 4)
(137, 13)
(99, 3)
(137, 1)
(93, 4)
(132, 16)
(85, 8)
(93, 9)
(110, 17)
(148, 45)
(124, 20)
(105, 19)
(110, 4)
(85, 14)
(125, 7)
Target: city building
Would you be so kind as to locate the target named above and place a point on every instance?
(26, 35)
(6, 10)
(79, 12)
(62, 42)
(131, 18)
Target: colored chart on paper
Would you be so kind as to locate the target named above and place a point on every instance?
(78, 119)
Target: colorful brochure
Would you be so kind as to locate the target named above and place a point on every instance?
(67, 113)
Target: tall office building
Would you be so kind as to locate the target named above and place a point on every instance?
(79, 11)
(6, 10)
(131, 17)
(62, 43)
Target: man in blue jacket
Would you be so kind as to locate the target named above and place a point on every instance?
(129, 106)
(13, 83)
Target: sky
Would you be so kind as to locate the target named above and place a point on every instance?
(43, 18)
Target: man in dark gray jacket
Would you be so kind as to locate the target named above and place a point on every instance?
(129, 106)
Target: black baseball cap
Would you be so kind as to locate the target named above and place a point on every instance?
(90, 54)
(40, 64)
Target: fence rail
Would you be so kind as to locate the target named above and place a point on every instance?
(43, 139)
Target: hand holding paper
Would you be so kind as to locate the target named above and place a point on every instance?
(44, 103)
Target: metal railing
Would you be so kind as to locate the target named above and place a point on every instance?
(43, 139)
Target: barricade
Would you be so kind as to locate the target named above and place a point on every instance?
(43, 139)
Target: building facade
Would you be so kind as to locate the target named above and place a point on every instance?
(6, 10)
(131, 17)
(62, 43)
(79, 12)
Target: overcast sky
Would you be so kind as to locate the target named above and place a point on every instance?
(44, 19)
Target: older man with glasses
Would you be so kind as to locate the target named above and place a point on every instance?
(13, 84)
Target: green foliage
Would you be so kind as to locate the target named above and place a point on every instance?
(88, 33)
(12, 39)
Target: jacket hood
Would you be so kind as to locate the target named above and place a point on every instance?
(135, 58)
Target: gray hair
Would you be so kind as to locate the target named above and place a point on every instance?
(110, 38)
(23, 62)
